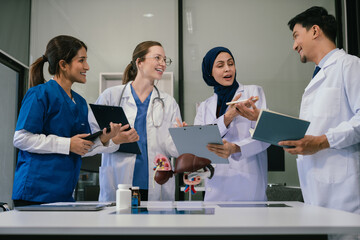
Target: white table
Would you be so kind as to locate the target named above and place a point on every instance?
(299, 219)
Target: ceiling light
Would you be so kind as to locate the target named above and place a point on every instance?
(148, 15)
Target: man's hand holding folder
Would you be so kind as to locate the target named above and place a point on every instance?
(307, 145)
(273, 127)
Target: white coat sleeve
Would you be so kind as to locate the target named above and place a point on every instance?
(347, 133)
(221, 125)
(170, 145)
(40, 143)
(200, 119)
(249, 146)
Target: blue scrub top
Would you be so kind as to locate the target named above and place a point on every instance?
(47, 109)
(141, 171)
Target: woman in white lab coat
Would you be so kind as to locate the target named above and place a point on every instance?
(150, 113)
(245, 177)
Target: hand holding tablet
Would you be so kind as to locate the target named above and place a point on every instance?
(93, 136)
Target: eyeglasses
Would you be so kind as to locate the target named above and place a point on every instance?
(160, 59)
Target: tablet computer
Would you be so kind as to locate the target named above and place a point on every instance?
(194, 139)
(64, 207)
(105, 114)
(93, 136)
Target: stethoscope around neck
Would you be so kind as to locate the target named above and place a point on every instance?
(152, 105)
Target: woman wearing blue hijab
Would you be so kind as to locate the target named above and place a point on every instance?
(245, 177)
(225, 93)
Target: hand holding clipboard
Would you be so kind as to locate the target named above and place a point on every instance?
(194, 140)
(127, 135)
(105, 114)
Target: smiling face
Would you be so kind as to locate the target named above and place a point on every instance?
(303, 42)
(76, 70)
(224, 69)
(153, 66)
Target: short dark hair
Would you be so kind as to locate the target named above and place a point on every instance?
(316, 16)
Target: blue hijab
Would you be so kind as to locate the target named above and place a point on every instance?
(225, 93)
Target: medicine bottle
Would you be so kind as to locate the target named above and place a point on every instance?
(135, 198)
(123, 196)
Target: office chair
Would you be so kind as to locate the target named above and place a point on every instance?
(276, 158)
(90, 188)
(280, 192)
(91, 164)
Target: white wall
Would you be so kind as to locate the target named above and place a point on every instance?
(9, 80)
(110, 28)
(15, 29)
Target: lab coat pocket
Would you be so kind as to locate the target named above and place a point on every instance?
(107, 184)
(327, 102)
(330, 166)
(245, 165)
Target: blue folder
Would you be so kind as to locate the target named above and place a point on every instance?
(273, 127)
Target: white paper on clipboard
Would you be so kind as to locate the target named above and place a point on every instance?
(193, 139)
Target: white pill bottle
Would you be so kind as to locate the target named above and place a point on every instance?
(123, 196)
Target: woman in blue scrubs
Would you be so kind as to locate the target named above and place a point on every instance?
(51, 124)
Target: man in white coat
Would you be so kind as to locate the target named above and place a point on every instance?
(329, 154)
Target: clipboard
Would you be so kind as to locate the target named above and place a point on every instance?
(193, 139)
(105, 114)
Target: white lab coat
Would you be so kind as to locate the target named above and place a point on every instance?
(245, 177)
(118, 167)
(331, 102)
